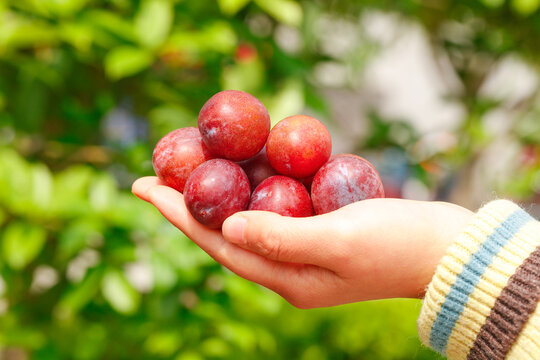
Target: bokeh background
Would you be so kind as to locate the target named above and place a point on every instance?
(442, 95)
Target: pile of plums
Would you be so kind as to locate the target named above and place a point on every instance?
(224, 166)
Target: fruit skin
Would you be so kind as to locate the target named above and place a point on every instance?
(257, 169)
(177, 154)
(234, 125)
(307, 182)
(343, 180)
(282, 195)
(298, 146)
(216, 190)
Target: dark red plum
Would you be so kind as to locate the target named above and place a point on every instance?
(343, 180)
(282, 195)
(216, 190)
(257, 169)
(177, 154)
(234, 125)
(298, 146)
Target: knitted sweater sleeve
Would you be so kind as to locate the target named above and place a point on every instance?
(482, 301)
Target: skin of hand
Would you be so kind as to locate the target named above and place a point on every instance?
(372, 249)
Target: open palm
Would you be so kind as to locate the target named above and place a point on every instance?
(372, 249)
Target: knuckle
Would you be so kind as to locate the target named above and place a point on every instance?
(268, 243)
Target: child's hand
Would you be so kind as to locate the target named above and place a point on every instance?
(372, 249)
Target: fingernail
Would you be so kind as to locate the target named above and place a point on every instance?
(233, 229)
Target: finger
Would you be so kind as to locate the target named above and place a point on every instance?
(310, 240)
(141, 186)
(251, 266)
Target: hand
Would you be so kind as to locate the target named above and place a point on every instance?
(373, 249)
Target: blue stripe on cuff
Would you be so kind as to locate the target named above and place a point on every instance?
(459, 293)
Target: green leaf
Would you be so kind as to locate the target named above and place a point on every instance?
(21, 243)
(165, 276)
(77, 235)
(163, 343)
(103, 193)
(119, 293)
(169, 117)
(26, 337)
(62, 7)
(286, 11)
(109, 22)
(231, 7)
(526, 7)
(42, 186)
(153, 22)
(125, 61)
(15, 180)
(247, 77)
(70, 191)
(493, 3)
(219, 36)
(287, 100)
(189, 355)
(16, 33)
(80, 295)
(215, 347)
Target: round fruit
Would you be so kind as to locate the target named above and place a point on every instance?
(177, 154)
(257, 169)
(298, 146)
(343, 180)
(282, 195)
(216, 190)
(234, 125)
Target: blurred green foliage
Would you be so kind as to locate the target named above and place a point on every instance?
(86, 89)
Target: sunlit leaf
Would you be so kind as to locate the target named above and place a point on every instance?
(153, 22)
(103, 192)
(169, 117)
(119, 293)
(77, 235)
(287, 11)
(16, 33)
(215, 347)
(80, 294)
(247, 76)
(493, 3)
(219, 36)
(71, 191)
(286, 101)
(111, 22)
(526, 7)
(22, 336)
(125, 61)
(15, 184)
(21, 243)
(79, 35)
(189, 355)
(165, 276)
(231, 7)
(62, 7)
(42, 186)
(163, 343)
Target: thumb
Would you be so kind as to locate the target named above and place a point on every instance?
(309, 240)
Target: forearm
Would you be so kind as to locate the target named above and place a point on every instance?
(482, 300)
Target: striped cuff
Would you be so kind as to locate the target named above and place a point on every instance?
(486, 287)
